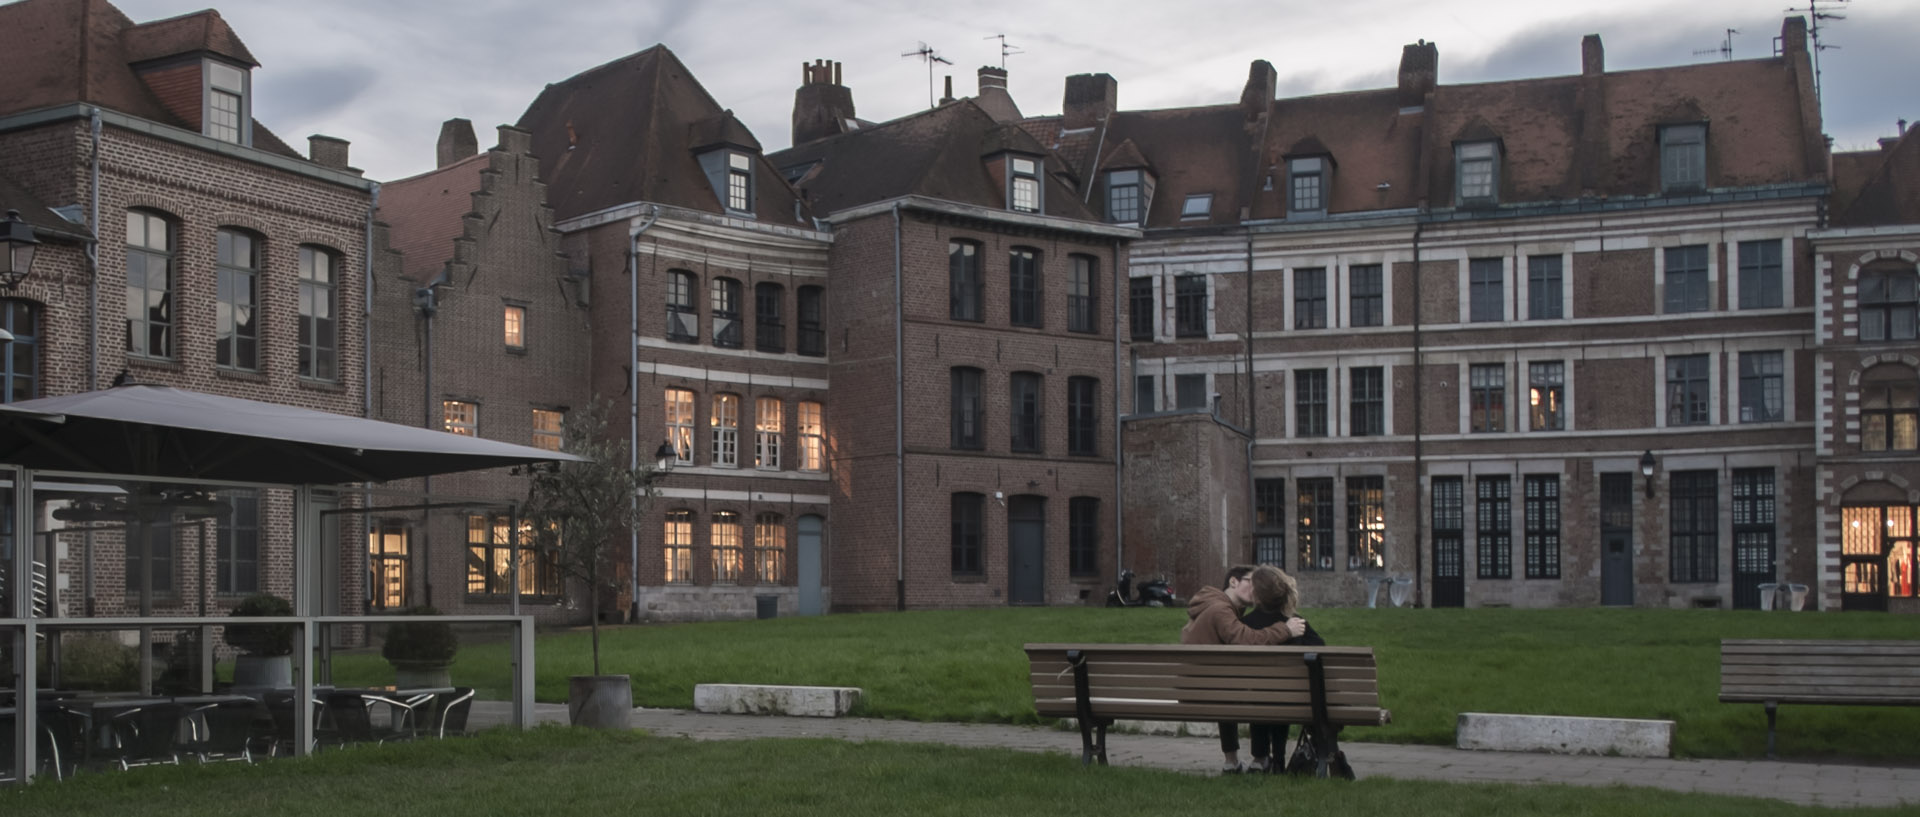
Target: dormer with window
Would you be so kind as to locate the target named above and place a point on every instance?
(198, 69)
(1683, 158)
(1129, 184)
(1476, 173)
(228, 115)
(1023, 183)
(730, 158)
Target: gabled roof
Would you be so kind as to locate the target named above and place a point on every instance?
(424, 214)
(1881, 187)
(187, 34)
(626, 132)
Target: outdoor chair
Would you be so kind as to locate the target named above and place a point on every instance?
(452, 717)
(280, 709)
(226, 730)
(349, 711)
(63, 738)
(146, 735)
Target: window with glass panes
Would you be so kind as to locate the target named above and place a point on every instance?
(769, 323)
(387, 565)
(1146, 394)
(156, 558)
(1083, 536)
(1683, 157)
(1544, 288)
(769, 548)
(1878, 551)
(1760, 274)
(1753, 521)
(1024, 398)
(319, 338)
(725, 538)
(1310, 403)
(1889, 304)
(1688, 399)
(1270, 522)
(725, 305)
(1083, 416)
(1313, 525)
(1190, 391)
(1366, 523)
(1368, 402)
(677, 552)
(1487, 408)
(1023, 287)
(1365, 301)
(226, 103)
(514, 326)
(1449, 523)
(678, 407)
(1493, 510)
(1140, 308)
(1889, 409)
(20, 366)
(1024, 189)
(725, 424)
(1308, 186)
(150, 249)
(1687, 287)
(547, 430)
(236, 343)
(683, 321)
(966, 522)
(769, 426)
(1123, 197)
(1546, 395)
(1476, 174)
(1486, 290)
(813, 437)
(1694, 526)
(493, 547)
(739, 182)
(1083, 290)
(1763, 397)
(1190, 306)
(1310, 298)
(811, 336)
(968, 412)
(1542, 525)
(964, 285)
(460, 417)
(237, 545)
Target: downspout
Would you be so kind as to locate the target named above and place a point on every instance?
(93, 315)
(426, 298)
(633, 399)
(1419, 393)
(1119, 378)
(899, 431)
(1253, 427)
(366, 385)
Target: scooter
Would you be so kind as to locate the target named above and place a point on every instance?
(1153, 593)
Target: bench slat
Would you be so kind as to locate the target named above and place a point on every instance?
(1836, 690)
(1250, 686)
(1849, 648)
(1149, 710)
(1103, 666)
(1353, 697)
(1239, 665)
(1843, 661)
(1781, 671)
(1197, 650)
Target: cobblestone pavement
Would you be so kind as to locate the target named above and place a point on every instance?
(1804, 783)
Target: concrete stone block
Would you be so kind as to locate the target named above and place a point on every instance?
(1562, 735)
(765, 699)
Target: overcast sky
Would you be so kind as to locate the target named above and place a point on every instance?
(385, 74)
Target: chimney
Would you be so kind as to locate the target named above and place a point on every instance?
(327, 151)
(993, 97)
(821, 106)
(994, 78)
(1090, 99)
(1593, 57)
(1419, 73)
(456, 142)
(948, 96)
(1793, 36)
(1262, 83)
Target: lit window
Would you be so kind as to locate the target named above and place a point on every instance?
(769, 548)
(678, 408)
(1546, 396)
(1197, 206)
(1476, 173)
(546, 429)
(492, 550)
(1309, 186)
(459, 417)
(1313, 528)
(725, 534)
(1683, 157)
(725, 422)
(319, 325)
(236, 343)
(1023, 192)
(677, 552)
(515, 323)
(1366, 523)
(813, 438)
(768, 427)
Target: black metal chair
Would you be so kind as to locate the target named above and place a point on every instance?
(146, 735)
(452, 717)
(349, 711)
(227, 730)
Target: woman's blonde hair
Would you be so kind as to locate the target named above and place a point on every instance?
(1275, 591)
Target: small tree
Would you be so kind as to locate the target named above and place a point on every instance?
(578, 510)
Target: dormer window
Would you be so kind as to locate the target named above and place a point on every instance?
(1196, 206)
(1308, 186)
(730, 173)
(1126, 202)
(227, 113)
(1023, 184)
(1683, 158)
(739, 181)
(1476, 171)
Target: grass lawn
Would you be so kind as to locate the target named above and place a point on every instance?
(566, 771)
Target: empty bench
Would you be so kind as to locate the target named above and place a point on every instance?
(1863, 673)
(1323, 688)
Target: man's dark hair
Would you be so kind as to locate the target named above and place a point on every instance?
(1236, 572)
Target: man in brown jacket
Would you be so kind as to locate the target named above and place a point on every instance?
(1213, 617)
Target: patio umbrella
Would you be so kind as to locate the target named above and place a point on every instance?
(161, 431)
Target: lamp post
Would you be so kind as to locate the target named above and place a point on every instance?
(663, 459)
(17, 259)
(1646, 471)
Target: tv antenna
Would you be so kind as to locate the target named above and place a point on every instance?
(1813, 33)
(1726, 46)
(927, 54)
(1005, 50)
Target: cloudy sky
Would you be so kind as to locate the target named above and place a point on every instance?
(385, 74)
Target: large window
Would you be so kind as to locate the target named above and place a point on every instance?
(1368, 402)
(1023, 397)
(1313, 525)
(1449, 527)
(319, 318)
(1488, 405)
(1310, 403)
(725, 422)
(769, 322)
(677, 549)
(548, 429)
(1889, 303)
(1493, 548)
(678, 408)
(683, 321)
(1366, 523)
(1889, 409)
(1124, 199)
(1695, 536)
(236, 343)
(1310, 298)
(1140, 308)
(1763, 392)
(1486, 290)
(968, 411)
(1544, 287)
(1083, 293)
(1083, 416)
(813, 437)
(1546, 396)
(725, 303)
(1083, 536)
(20, 366)
(150, 248)
(1270, 522)
(769, 549)
(966, 510)
(964, 285)
(1190, 306)
(1687, 390)
(1877, 551)
(1308, 186)
(1687, 288)
(1760, 275)
(811, 338)
(1365, 304)
(492, 548)
(769, 427)
(1543, 526)
(237, 549)
(1753, 521)
(1023, 287)
(1683, 158)
(726, 538)
(1190, 391)
(460, 417)
(1476, 173)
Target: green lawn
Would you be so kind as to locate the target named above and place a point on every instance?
(566, 771)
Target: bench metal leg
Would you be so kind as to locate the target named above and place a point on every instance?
(1093, 733)
(1330, 760)
(1771, 707)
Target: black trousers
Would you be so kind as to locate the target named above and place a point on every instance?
(1269, 739)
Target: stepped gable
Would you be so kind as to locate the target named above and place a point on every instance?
(424, 214)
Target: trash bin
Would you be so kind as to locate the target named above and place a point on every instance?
(1373, 589)
(1799, 592)
(767, 606)
(1400, 591)
(1767, 592)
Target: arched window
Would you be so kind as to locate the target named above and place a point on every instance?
(236, 340)
(683, 321)
(726, 430)
(813, 437)
(812, 337)
(965, 290)
(21, 364)
(728, 560)
(1023, 287)
(319, 315)
(726, 313)
(769, 321)
(1889, 409)
(769, 426)
(150, 249)
(769, 548)
(677, 550)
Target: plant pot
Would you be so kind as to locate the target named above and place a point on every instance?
(600, 701)
(421, 674)
(263, 671)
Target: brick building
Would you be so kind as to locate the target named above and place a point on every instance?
(184, 244)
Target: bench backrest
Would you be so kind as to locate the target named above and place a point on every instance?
(1820, 672)
(1182, 682)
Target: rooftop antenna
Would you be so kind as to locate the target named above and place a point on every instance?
(1005, 50)
(1726, 46)
(926, 53)
(1813, 33)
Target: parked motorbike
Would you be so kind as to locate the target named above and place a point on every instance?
(1152, 593)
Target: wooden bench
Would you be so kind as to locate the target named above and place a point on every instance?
(1320, 687)
(1864, 673)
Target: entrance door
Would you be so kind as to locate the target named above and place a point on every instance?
(809, 565)
(1753, 527)
(1026, 550)
(1616, 540)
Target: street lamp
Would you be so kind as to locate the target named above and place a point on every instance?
(1646, 471)
(17, 259)
(663, 458)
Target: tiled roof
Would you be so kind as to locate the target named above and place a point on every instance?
(186, 34)
(1881, 187)
(34, 211)
(423, 214)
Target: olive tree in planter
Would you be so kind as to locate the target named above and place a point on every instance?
(266, 650)
(420, 651)
(579, 513)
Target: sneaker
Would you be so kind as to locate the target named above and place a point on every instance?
(1234, 768)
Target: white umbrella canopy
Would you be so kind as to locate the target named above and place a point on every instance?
(162, 431)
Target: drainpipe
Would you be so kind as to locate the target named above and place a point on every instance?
(1419, 519)
(1119, 378)
(93, 314)
(426, 298)
(1253, 425)
(366, 382)
(899, 431)
(633, 399)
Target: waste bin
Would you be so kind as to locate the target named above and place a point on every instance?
(1799, 592)
(767, 606)
(1767, 591)
(1373, 588)
(1401, 590)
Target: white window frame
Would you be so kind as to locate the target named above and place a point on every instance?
(1119, 180)
(1302, 169)
(1690, 137)
(724, 418)
(769, 423)
(214, 84)
(740, 173)
(1023, 182)
(1487, 151)
(813, 439)
(460, 417)
(677, 406)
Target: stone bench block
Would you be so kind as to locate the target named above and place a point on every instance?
(765, 699)
(1562, 735)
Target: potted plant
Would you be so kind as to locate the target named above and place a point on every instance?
(266, 650)
(579, 512)
(420, 651)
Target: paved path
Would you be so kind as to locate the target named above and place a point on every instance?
(1804, 783)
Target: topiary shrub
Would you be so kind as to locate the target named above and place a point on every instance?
(262, 639)
(96, 662)
(423, 642)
